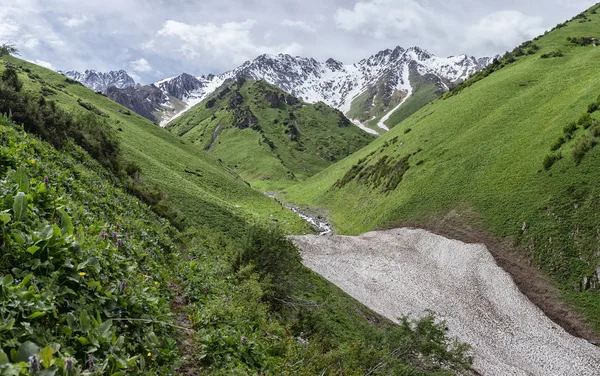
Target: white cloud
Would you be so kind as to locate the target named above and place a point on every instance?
(299, 25)
(141, 65)
(503, 29)
(44, 64)
(382, 18)
(231, 40)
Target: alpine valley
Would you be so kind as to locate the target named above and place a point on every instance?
(403, 215)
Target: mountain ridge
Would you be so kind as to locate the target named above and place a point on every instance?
(389, 77)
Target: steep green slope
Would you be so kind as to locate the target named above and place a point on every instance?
(93, 282)
(510, 152)
(268, 136)
(204, 190)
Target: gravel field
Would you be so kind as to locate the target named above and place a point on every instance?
(407, 272)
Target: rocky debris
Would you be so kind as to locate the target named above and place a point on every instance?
(410, 272)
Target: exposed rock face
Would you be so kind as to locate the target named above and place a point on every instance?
(144, 100)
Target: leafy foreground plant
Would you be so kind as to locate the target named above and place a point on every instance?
(81, 280)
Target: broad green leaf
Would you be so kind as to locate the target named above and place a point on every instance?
(72, 321)
(103, 329)
(18, 238)
(66, 225)
(7, 280)
(20, 206)
(47, 233)
(26, 350)
(3, 357)
(84, 341)
(20, 177)
(33, 249)
(48, 372)
(5, 218)
(85, 322)
(46, 356)
(56, 232)
(35, 315)
(41, 188)
(7, 325)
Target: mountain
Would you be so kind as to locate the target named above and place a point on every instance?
(99, 81)
(366, 91)
(376, 93)
(509, 157)
(267, 135)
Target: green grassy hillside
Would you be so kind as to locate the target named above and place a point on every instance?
(511, 152)
(268, 136)
(94, 282)
(199, 186)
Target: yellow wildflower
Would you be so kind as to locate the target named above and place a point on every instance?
(82, 274)
(149, 354)
(156, 283)
(33, 161)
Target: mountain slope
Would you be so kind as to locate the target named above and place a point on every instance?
(267, 135)
(510, 152)
(93, 282)
(196, 183)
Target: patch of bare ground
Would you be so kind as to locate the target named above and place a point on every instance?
(528, 277)
(186, 340)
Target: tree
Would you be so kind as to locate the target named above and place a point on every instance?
(7, 49)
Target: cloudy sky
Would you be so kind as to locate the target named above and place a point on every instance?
(153, 39)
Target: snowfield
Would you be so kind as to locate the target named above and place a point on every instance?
(408, 272)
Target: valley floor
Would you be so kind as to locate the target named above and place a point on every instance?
(409, 272)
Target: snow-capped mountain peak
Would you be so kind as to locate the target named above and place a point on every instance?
(99, 81)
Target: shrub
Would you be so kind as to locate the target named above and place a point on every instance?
(274, 256)
(11, 78)
(557, 144)
(582, 147)
(593, 107)
(550, 160)
(569, 129)
(585, 120)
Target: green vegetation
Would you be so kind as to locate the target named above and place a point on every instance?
(94, 281)
(268, 136)
(485, 160)
(192, 188)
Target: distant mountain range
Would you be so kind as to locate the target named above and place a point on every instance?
(368, 92)
(99, 81)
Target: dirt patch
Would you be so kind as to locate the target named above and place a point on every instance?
(411, 271)
(530, 280)
(186, 339)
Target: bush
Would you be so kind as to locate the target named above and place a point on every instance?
(11, 78)
(557, 144)
(274, 256)
(582, 147)
(585, 120)
(569, 129)
(593, 107)
(550, 160)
